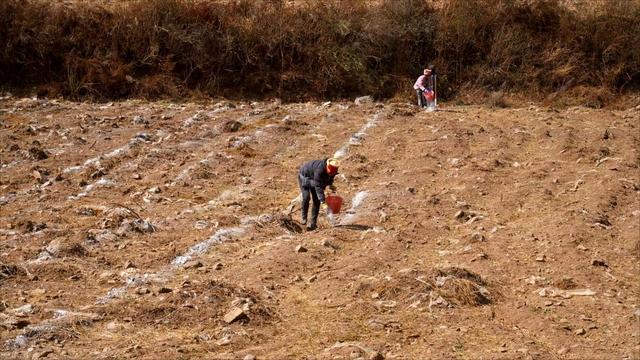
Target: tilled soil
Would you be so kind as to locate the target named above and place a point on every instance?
(164, 230)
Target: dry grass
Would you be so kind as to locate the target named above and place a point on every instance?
(315, 49)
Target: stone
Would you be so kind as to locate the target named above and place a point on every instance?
(563, 350)
(478, 237)
(599, 262)
(43, 354)
(164, 290)
(301, 249)
(136, 176)
(38, 292)
(582, 247)
(226, 340)
(113, 326)
(24, 310)
(193, 264)
(37, 175)
(581, 331)
(233, 315)
(139, 120)
(128, 265)
(218, 266)
(142, 291)
(249, 357)
(363, 100)
(541, 258)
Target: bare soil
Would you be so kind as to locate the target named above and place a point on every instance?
(170, 230)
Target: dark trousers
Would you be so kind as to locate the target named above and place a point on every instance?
(309, 192)
(422, 102)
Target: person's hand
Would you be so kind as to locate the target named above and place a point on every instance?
(325, 208)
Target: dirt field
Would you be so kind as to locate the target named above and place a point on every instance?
(164, 230)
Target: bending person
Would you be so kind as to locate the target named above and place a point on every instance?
(313, 177)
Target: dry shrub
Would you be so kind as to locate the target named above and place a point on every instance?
(566, 283)
(315, 49)
(9, 270)
(289, 224)
(231, 126)
(497, 100)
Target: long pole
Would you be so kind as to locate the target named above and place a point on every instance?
(435, 93)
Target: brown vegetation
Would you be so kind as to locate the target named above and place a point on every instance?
(316, 49)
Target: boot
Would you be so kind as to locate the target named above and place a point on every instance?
(311, 227)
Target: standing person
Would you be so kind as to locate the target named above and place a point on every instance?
(423, 85)
(313, 177)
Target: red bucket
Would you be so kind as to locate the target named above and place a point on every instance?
(334, 202)
(429, 95)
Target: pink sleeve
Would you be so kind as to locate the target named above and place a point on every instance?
(418, 85)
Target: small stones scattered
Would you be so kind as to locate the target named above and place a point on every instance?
(301, 249)
(535, 280)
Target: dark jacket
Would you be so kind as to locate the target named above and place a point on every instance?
(313, 174)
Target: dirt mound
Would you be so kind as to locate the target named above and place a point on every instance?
(122, 220)
(57, 270)
(193, 302)
(445, 287)
(61, 248)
